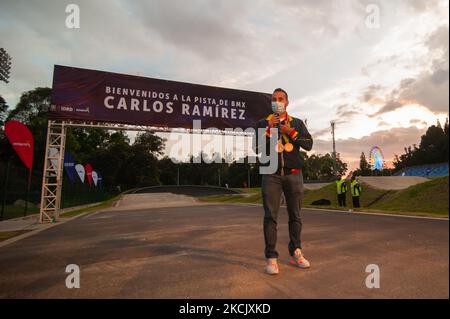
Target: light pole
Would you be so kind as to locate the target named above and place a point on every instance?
(334, 148)
(5, 65)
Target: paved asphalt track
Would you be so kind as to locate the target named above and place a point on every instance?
(216, 251)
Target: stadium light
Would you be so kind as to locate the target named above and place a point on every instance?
(5, 65)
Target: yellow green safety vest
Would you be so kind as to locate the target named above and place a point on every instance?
(356, 188)
(340, 188)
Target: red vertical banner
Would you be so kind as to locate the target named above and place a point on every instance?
(22, 141)
(88, 169)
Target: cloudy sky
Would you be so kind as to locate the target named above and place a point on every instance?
(383, 83)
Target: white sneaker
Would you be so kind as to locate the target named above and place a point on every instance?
(299, 260)
(272, 267)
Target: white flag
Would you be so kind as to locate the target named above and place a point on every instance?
(80, 171)
(53, 152)
(95, 177)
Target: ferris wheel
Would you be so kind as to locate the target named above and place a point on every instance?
(376, 159)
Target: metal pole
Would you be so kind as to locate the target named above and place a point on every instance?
(5, 184)
(248, 177)
(219, 176)
(178, 175)
(27, 192)
(334, 149)
(59, 175)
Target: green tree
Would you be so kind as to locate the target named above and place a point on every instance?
(3, 111)
(32, 105)
(433, 148)
(364, 167)
(363, 164)
(167, 171)
(320, 167)
(141, 168)
(4, 145)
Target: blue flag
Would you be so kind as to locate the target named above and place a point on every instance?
(69, 166)
(100, 180)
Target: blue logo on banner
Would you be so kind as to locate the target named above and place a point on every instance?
(69, 166)
(100, 180)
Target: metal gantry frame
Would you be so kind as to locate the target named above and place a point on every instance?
(52, 175)
(56, 138)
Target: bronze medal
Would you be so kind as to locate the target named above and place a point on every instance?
(288, 147)
(279, 147)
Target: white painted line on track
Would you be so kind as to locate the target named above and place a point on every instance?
(353, 212)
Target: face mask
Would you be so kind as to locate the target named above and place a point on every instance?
(278, 107)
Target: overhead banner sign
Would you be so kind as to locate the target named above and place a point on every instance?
(89, 95)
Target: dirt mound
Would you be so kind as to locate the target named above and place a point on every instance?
(392, 182)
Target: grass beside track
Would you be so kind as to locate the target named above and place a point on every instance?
(425, 199)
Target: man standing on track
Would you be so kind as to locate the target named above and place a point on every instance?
(288, 179)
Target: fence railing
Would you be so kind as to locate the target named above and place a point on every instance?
(13, 193)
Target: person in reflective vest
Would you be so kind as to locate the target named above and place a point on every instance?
(341, 190)
(356, 189)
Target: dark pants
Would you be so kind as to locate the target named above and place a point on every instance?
(341, 199)
(272, 188)
(355, 201)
